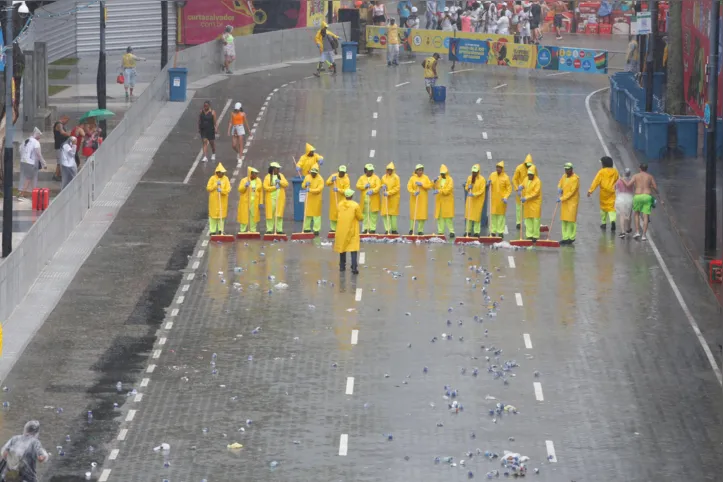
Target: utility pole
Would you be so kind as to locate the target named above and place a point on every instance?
(9, 134)
(101, 79)
(650, 55)
(711, 116)
(164, 33)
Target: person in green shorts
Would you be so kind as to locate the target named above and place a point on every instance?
(643, 199)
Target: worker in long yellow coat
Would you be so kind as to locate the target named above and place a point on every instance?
(500, 191)
(531, 199)
(391, 187)
(275, 199)
(519, 178)
(475, 192)
(418, 186)
(444, 202)
(338, 183)
(313, 184)
(569, 191)
(370, 185)
(347, 233)
(218, 187)
(308, 160)
(606, 179)
(249, 190)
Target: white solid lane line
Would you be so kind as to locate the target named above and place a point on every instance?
(200, 153)
(528, 340)
(343, 444)
(511, 261)
(663, 265)
(350, 385)
(354, 337)
(551, 451)
(518, 299)
(458, 71)
(538, 391)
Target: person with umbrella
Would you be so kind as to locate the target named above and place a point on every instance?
(128, 64)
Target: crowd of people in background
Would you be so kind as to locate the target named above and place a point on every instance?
(523, 19)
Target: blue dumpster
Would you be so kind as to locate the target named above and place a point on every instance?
(620, 109)
(687, 129)
(177, 84)
(439, 93)
(638, 137)
(613, 97)
(655, 129)
(718, 138)
(298, 203)
(348, 56)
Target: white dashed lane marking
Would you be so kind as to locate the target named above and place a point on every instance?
(528, 340)
(354, 337)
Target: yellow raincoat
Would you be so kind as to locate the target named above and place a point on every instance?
(342, 184)
(306, 162)
(519, 178)
(347, 228)
(314, 196)
(570, 197)
(270, 189)
(473, 204)
(500, 187)
(606, 179)
(375, 184)
(245, 193)
(218, 202)
(444, 202)
(532, 208)
(390, 203)
(418, 207)
(319, 39)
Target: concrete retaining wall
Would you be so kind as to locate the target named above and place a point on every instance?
(19, 270)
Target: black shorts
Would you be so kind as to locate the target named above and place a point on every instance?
(379, 19)
(557, 22)
(209, 134)
(534, 25)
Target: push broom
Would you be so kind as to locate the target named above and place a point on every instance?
(387, 235)
(221, 238)
(275, 236)
(466, 239)
(336, 201)
(548, 243)
(489, 239)
(413, 236)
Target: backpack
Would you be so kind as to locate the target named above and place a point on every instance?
(333, 42)
(16, 452)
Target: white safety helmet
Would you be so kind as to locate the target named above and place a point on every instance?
(237, 106)
(414, 9)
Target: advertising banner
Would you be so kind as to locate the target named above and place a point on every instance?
(492, 37)
(316, 12)
(582, 60)
(513, 55)
(696, 49)
(547, 58)
(469, 50)
(413, 40)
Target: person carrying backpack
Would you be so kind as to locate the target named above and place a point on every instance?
(328, 42)
(21, 454)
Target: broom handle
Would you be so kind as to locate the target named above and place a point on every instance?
(416, 202)
(522, 224)
(467, 214)
(275, 208)
(220, 209)
(554, 213)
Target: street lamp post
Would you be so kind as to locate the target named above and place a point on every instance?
(7, 240)
(101, 78)
(164, 33)
(711, 119)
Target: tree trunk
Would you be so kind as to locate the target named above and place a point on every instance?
(674, 95)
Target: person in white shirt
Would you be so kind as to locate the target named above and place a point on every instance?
(31, 161)
(447, 24)
(503, 23)
(523, 25)
(490, 17)
(68, 169)
(413, 19)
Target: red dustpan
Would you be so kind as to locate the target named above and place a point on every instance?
(248, 236)
(222, 238)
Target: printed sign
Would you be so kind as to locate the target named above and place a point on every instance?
(302, 196)
(469, 50)
(643, 23)
(583, 60)
(348, 55)
(176, 81)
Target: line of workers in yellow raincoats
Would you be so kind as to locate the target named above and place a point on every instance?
(381, 196)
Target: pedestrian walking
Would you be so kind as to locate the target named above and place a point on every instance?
(338, 183)
(370, 185)
(314, 187)
(393, 43)
(275, 185)
(229, 49)
(327, 42)
(536, 21)
(606, 179)
(208, 129)
(31, 161)
(79, 133)
(22, 453)
(558, 9)
(532, 204)
(568, 192)
(60, 135)
(418, 186)
(250, 192)
(500, 191)
(391, 187)
(218, 188)
(643, 200)
(518, 183)
(431, 14)
(474, 202)
(430, 74)
(444, 202)
(128, 64)
(347, 235)
(238, 125)
(379, 13)
(624, 203)
(308, 160)
(68, 169)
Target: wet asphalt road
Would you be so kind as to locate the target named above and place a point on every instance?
(627, 392)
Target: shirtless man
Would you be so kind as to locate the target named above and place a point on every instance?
(642, 200)
(558, 7)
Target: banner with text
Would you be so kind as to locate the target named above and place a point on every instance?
(426, 41)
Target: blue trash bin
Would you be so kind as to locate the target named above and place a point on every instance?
(177, 77)
(621, 114)
(686, 127)
(638, 137)
(655, 128)
(439, 93)
(298, 205)
(613, 97)
(348, 56)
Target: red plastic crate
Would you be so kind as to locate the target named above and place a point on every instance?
(715, 271)
(592, 29)
(605, 29)
(41, 199)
